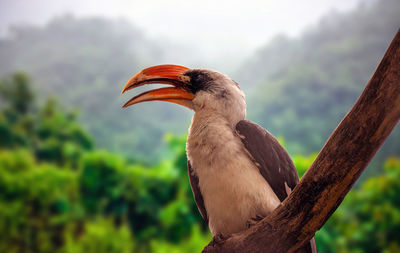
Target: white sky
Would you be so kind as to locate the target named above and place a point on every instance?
(220, 27)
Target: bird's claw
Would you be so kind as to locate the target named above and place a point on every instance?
(217, 239)
(253, 221)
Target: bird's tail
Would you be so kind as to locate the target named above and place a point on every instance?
(310, 247)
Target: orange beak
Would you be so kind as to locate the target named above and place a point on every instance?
(163, 74)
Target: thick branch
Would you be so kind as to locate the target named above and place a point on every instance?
(339, 164)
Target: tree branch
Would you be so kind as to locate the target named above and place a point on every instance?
(339, 164)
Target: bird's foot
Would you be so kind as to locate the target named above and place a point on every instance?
(217, 239)
(253, 221)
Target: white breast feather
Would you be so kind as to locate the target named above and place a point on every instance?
(231, 185)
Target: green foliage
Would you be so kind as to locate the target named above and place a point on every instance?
(301, 88)
(369, 218)
(60, 138)
(100, 236)
(52, 134)
(297, 88)
(88, 200)
(99, 182)
(36, 202)
(303, 162)
(59, 195)
(17, 91)
(195, 242)
(85, 63)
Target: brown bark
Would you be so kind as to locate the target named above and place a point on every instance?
(337, 167)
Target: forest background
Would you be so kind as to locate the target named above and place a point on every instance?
(78, 174)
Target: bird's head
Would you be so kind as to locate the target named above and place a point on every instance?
(201, 90)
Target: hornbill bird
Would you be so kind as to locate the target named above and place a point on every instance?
(239, 173)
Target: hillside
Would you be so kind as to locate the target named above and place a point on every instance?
(85, 63)
(297, 88)
(301, 88)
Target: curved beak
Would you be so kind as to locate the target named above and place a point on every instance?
(163, 74)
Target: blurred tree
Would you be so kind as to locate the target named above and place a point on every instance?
(16, 106)
(59, 194)
(49, 132)
(59, 137)
(300, 88)
(17, 91)
(82, 61)
(36, 203)
(369, 218)
(101, 236)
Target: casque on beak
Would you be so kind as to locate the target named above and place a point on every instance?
(163, 74)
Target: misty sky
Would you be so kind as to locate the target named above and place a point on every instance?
(214, 27)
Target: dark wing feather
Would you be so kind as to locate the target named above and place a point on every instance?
(273, 161)
(198, 198)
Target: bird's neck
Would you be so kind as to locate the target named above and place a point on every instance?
(208, 120)
(206, 116)
(209, 134)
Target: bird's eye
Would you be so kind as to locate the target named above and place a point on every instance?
(199, 80)
(185, 78)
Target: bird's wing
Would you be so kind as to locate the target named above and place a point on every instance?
(198, 198)
(271, 158)
(273, 162)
